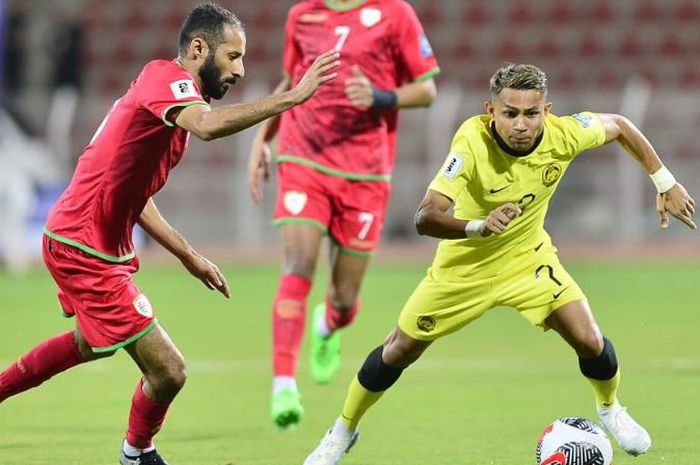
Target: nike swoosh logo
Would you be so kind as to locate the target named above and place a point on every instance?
(495, 191)
(556, 296)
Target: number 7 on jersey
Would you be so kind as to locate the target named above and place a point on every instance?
(342, 32)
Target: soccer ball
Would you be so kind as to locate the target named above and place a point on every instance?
(574, 441)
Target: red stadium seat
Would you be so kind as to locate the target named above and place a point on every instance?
(688, 11)
(464, 49)
(561, 13)
(263, 20)
(136, 20)
(548, 49)
(476, 15)
(609, 78)
(428, 12)
(649, 11)
(601, 12)
(631, 47)
(690, 78)
(521, 12)
(565, 78)
(508, 50)
(590, 46)
(672, 46)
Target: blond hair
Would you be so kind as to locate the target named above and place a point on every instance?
(518, 76)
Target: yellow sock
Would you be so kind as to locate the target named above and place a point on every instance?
(605, 391)
(357, 402)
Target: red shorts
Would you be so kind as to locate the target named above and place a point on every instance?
(351, 212)
(111, 311)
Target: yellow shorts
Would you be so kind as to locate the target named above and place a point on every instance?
(535, 284)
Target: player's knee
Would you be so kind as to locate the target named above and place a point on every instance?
(171, 380)
(343, 297)
(401, 350)
(589, 344)
(300, 265)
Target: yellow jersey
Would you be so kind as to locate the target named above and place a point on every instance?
(478, 176)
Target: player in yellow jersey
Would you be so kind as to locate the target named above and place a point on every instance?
(501, 172)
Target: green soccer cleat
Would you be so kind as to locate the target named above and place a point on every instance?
(325, 351)
(286, 408)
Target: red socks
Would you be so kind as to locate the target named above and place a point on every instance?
(145, 419)
(49, 358)
(288, 320)
(335, 319)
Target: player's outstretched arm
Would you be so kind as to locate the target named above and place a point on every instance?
(209, 124)
(260, 154)
(672, 197)
(433, 219)
(363, 94)
(200, 267)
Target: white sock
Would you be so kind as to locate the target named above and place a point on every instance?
(283, 382)
(130, 450)
(149, 449)
(322, 328)
(341, 431)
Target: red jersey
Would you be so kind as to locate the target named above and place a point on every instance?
(386, 40)
(127, 161)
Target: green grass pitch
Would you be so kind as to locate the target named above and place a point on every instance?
(480, 396)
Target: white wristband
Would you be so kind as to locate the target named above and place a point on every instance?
(473, 228)
(663, 179)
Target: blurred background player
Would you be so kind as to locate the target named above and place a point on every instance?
(501, 172)
(336, 155)
(88, 245)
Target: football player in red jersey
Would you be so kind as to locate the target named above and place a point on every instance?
(335, 159)
(88, 246)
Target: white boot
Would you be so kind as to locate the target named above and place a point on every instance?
(631, 437)
(332, 448)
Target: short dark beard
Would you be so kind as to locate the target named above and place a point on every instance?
(211, 78)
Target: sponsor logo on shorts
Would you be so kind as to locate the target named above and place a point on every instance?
(452, 165)
(294, 201)
(551, 174)
(370, 16)
(143, 306)
(426, 323)
(184, 88)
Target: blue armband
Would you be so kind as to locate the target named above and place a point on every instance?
(382, 99)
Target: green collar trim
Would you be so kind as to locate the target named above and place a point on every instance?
(342, 6)
(89, 250)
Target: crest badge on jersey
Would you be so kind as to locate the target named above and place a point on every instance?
(551, 174)
(370, 16)
(426, 323)
(294, 201)
(452, 165)
(184, 88)
(143, 306)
